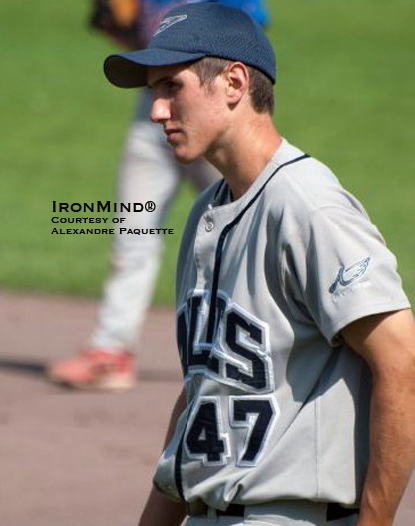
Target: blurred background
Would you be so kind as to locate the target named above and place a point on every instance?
(345, 94)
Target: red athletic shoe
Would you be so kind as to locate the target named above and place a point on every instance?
(95, 368)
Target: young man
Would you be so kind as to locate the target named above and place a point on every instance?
(296, 339)
(148, 172)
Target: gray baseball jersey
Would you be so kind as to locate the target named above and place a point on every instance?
(277, 403)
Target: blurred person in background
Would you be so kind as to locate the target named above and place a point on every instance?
(147, 172)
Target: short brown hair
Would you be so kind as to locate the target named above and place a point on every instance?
(260, 86)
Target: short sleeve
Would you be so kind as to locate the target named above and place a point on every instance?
(341, 269)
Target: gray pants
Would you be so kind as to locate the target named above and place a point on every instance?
(279, 513)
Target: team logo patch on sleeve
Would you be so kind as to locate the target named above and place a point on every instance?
(346, 276)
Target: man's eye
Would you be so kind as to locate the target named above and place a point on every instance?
(171, 86)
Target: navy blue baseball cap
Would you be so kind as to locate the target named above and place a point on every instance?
(191, 32)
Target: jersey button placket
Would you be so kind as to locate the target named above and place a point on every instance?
(204, 248)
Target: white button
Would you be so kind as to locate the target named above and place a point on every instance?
(209, 226)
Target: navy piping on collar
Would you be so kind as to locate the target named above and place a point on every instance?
(213, 298)
(221, 242)
(218, 189)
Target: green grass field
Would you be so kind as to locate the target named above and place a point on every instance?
(345, 94)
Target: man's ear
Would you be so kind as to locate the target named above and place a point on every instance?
(237, 79)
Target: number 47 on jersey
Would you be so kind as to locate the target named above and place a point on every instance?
(206, 438)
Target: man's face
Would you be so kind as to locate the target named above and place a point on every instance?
(193, 116)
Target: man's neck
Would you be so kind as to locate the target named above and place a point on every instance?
(244, 152)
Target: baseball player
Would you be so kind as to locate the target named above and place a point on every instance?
(296, 339)
(148, 171)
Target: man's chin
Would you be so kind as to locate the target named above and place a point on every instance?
(185, 157)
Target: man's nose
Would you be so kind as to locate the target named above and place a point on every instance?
(160, 110)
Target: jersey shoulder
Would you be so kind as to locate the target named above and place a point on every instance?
(308, 187)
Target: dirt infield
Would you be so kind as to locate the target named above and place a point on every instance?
(71, 459)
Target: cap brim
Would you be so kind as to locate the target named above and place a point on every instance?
(129, 70)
